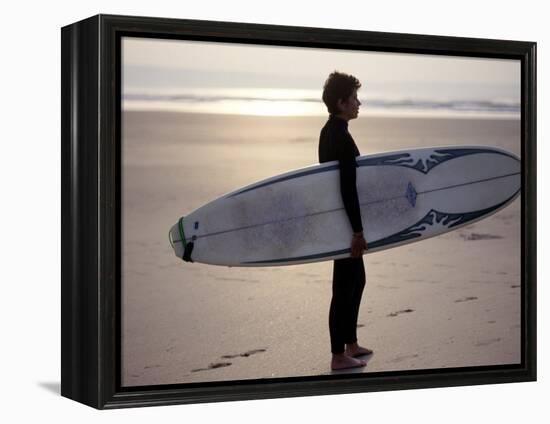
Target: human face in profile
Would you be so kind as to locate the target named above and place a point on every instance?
(349, 108)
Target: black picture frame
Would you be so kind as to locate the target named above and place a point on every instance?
(91, 221)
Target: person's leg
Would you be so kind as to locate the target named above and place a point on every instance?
(337, 344)
(357, 280)
(341, 307)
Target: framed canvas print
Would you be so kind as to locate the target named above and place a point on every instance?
(254, 211)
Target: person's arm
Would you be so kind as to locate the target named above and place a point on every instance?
(348, 190)
(348, 184)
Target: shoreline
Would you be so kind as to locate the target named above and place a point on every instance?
(362, 115)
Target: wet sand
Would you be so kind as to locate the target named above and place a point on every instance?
(450, 301)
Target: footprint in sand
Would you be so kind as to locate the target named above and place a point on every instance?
(387, 287)
(213, 366)
(403, 358)
(147, 367)
(466, 299)
(299, 139)
(487, 342)
(403, 311)
(319, 281)
(305, 274)
(240, 280)
(245, 354)
(503, 217)
(478, 236)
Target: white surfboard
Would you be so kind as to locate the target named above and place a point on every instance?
(298, 217)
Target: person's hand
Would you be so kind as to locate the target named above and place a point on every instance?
(358, 245)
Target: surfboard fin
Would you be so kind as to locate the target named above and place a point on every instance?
(187, 252)
(188, 246)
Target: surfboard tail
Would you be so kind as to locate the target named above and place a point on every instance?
(176, 241)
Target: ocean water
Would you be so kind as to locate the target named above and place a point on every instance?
(470, 101)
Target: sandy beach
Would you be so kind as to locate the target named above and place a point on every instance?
(450, 301)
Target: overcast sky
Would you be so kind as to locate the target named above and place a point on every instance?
(305, 64)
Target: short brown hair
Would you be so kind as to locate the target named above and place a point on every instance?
(338, 86)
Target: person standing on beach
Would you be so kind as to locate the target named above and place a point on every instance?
(348, 279)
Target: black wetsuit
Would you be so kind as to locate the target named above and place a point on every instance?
(348, 278)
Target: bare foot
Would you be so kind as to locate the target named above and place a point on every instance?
(342, 361)
(354, 350)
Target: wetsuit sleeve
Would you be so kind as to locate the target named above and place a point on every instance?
(348, 183)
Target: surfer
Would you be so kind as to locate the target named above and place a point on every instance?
(348, 278)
